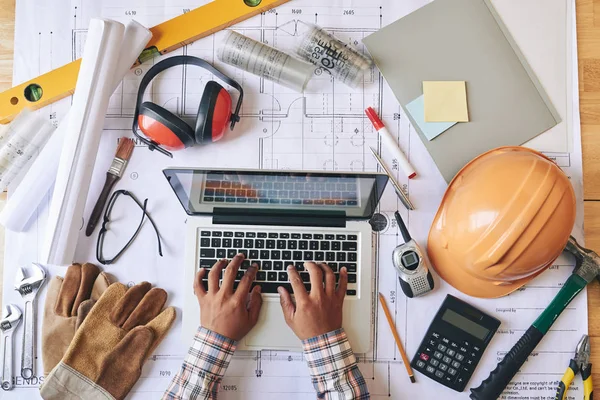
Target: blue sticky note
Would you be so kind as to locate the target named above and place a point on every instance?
(431, 130)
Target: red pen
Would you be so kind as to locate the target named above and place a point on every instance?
(390, 143)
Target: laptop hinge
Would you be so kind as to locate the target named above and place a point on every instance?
(236, 216)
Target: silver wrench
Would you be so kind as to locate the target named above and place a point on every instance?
(11, 316)
(28, 287)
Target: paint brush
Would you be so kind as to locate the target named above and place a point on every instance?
(115, 172)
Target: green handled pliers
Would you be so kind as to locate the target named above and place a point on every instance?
(580, 363)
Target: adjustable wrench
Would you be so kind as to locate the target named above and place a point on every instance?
(11, 316)
(28, 287)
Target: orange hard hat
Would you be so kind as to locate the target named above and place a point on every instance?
(505, 217)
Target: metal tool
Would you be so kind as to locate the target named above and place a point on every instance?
(579, 363)
(587, 268)
(403, 197)
(11, 317)
(166, 37)
(28, 287)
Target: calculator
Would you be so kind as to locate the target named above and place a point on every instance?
(454, 343)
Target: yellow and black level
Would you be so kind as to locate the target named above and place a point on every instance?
(166, 37)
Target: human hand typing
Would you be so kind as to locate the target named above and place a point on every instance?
(319, 311)
(231, 314)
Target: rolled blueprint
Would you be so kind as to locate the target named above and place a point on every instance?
(95, 85)
(21, 142)
(24, 201)
(264, 61)
(341, 60)
(23, 146)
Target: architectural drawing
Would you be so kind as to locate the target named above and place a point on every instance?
(323, 128)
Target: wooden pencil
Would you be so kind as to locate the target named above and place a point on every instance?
(388, 316)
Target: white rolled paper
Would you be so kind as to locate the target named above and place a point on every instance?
(26, 198)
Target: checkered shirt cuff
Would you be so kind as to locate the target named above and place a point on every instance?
(203, 367)
(333, 367)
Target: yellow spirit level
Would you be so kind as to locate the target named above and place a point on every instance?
(166, 37)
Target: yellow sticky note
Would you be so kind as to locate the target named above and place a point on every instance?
(445, 101)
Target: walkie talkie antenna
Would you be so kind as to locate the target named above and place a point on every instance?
(402, 227)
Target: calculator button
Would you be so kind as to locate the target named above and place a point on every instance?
(441, 347)
(477, 348)
(455, 364)
(424, 357)
(432, 343)
(451, 352)
(454, 345)
(434, 362)
(439, 374)
(460, 357)
(447, 359)
(445, 340)
(469, 363)
(430, 369)
(452, 371)
(443, 367)
(420, 364)
(438, 355)
(435, 335)
(463, 349)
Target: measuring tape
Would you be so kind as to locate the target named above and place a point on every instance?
(166, 37)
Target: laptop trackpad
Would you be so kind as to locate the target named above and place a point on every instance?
(271, 331)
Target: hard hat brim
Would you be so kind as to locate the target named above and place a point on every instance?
(447, 268)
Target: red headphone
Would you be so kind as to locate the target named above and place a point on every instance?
(163, 128)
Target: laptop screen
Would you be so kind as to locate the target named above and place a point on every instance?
(355, 195)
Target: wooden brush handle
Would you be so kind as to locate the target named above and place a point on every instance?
(111, 179)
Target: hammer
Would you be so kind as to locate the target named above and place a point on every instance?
(587, 267)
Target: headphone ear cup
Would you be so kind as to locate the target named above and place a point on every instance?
(214, 113)
(163, 127)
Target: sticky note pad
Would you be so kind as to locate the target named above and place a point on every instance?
(431, 130)
(445, 101)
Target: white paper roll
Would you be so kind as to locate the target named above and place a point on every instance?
(27, 197)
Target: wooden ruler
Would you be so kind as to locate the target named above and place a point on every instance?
(166, 37)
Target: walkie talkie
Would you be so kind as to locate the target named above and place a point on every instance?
(413, 271)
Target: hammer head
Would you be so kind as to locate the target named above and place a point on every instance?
(587, 262)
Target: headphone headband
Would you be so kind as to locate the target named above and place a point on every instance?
(172, 62)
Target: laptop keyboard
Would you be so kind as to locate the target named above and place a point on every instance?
(280, 189)
(274, 251)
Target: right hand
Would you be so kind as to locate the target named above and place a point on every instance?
(319, 311)
(228, 313)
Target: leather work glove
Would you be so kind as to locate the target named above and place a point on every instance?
(106, 355)
(68, 301)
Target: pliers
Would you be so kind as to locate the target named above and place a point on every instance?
(580, 363)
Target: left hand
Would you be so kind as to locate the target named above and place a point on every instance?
(231, 314)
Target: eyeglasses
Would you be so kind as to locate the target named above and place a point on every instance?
(106, 221)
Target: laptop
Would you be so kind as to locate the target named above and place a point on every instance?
(278, 218)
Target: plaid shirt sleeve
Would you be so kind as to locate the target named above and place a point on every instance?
(333, 366)
(203, 367)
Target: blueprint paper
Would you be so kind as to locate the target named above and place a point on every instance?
(323, 129)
